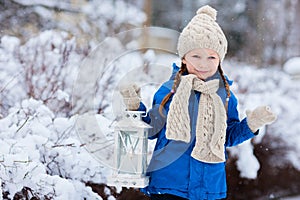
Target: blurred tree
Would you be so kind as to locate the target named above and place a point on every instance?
(90, 21)
(167, 13)
(273, 34)
(258, 32)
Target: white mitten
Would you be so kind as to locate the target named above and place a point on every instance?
(131, 94)
(259, 117)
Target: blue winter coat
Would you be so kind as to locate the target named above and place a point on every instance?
(172, 170)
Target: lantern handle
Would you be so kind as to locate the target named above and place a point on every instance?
(144, 114)
(141, 113)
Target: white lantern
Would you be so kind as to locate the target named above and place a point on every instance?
(130, 152)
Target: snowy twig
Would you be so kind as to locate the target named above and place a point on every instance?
(17, 161)
(22, 161)
(104, 147)
(64, 134)
(8, 82)
(64, 145)
(23, 124)
(58, 6)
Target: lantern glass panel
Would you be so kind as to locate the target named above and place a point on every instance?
(131, 153)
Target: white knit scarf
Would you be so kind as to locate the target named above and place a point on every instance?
(211, 121)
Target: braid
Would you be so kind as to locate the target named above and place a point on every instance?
(177, 81)
(174, 88)
(226, 87)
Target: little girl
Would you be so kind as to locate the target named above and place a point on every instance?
(194, 117)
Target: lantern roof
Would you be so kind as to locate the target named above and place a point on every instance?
(128, 123)
(131, 120)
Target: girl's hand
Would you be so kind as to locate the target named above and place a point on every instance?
(131, 94)
(259, 117)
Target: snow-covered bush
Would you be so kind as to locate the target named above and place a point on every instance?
(49, 68)
(44, 68)
(292, 67)
(43, 155)
(268, 86)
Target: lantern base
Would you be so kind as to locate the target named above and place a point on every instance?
(128, 180)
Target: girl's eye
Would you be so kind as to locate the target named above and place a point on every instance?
(196, 56)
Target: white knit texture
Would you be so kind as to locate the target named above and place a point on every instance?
(131, 94)
(203, 32)
(209, 11)
(211, 120)
(259, 117)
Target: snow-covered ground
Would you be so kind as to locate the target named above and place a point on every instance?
(55, 153)
(42, 149)
(291, 198)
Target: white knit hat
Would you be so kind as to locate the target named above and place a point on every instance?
(203, 32)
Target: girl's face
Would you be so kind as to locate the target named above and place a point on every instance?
(202, 62)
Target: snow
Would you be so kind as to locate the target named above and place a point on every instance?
(247, 163)
(291, 198)
(55, 151)
(59, 4)
(9, 43)
(273, 87)
(292, 66)
(40, 145)
(46, 151)
(61, 95)
(40, 148)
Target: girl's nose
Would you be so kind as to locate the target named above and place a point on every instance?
(200, 65)
(203, 65)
